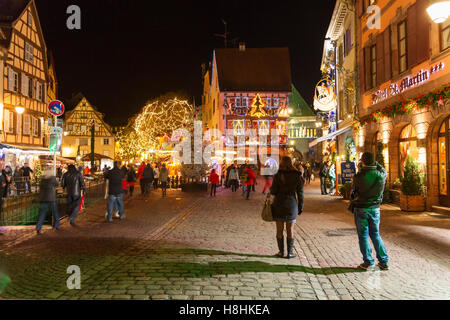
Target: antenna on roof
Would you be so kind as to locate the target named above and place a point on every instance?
(224, 35)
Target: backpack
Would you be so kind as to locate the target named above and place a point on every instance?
(244, 177)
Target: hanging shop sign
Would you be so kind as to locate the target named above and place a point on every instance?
(406, 83)
(325, 95)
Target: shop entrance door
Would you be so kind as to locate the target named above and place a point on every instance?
(444, 170)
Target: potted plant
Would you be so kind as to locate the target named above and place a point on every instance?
(346, 190)
(412, 198)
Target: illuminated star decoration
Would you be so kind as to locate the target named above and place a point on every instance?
(257, 107)
(440, 103)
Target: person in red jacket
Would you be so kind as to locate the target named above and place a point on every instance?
(141, 176)
(214, 180)
(251, 176)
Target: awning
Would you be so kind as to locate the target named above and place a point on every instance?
(330, 136)
(26, 149)
(58, 158)
(97, 157)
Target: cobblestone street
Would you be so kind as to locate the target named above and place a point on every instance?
(190, 246)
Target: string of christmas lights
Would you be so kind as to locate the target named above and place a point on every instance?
(155, 120)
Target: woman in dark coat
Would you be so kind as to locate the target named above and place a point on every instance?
(287, 187)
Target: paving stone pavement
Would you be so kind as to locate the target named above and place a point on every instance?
(195, 247)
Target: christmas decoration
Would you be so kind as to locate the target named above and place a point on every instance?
(435, 98)
(258, 107)
(37, 175)
(157, 119)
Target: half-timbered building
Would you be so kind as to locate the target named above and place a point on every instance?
(248, 91)
(23, 104)
(77, 132)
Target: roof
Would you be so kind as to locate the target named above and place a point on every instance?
(299, 105)
(71, 103)
(10, 10)
(254, 69)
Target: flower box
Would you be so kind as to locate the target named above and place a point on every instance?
(412, 203)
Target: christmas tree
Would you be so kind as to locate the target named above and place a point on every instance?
(37, 174)
(257, 107)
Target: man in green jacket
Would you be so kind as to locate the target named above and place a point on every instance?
(367, 195)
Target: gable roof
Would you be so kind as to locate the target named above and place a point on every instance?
(299, 106)
(254, 69)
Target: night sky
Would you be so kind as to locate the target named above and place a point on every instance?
(130, 51)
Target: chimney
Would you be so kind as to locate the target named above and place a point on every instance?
(241, 46)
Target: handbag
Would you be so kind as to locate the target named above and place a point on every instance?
(266, 214)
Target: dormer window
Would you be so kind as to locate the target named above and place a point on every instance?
(30, 19)
(28, 52)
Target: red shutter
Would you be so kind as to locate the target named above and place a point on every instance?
(411, 37)
(387, 53)
(423, 32)
(362, 74)
(380, 59)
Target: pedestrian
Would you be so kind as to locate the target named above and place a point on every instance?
(251, 177)
(7, 174)
(148, 177)
(156, 176)
(124, 180)
(323, 171)
(73, 182)
(18, 180)
(233, 177)
(367, 196)
(141, 177)
(47, 197)
(287, 187)
(27, 171)
(332, 177)
(115, 191)
(131, 179)
(3, 186)
(163, 175)
(267, 180)
(105, 169)
(214, 181)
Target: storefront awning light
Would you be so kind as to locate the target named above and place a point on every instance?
(439, 11)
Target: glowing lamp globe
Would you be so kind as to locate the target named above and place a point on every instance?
(20, 110)
(439, 11)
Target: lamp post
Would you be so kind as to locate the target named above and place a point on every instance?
(439, 11)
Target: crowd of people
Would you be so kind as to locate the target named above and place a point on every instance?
(285, 185)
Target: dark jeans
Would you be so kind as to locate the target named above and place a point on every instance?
(164, 188)
(142, 184)
(147, 187)
(234, 185)
(368, 225)
(73, 205)
(131, 190)
(44, 208)
(248, 189)
(323, 185)
(155, 183)
(213, 189)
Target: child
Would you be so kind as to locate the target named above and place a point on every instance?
(214, 180)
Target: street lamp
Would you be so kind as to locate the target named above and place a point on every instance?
(439, 11)
(20, 109)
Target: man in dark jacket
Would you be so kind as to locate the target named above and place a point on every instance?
(148, 178)
(47, 197)
(73, 182)
(323, 171)
(115, 191)
(367, 195)
(27, 177)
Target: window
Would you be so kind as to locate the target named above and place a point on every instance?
(28, 52)
(26, 124)
(25, 85)
(341, 54)
(70, 127)
(84, 116)
(347, 42)
(30, 19)
(83, 128)
(35, 127)
(241, 102)
(373, 66)
(84, 141)
(445, 35)
(238, 127)
(402, 50)
(263, 127)
(106, 142)
(30, 88)
(13, 80)
(39, 91)
(408, 144)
